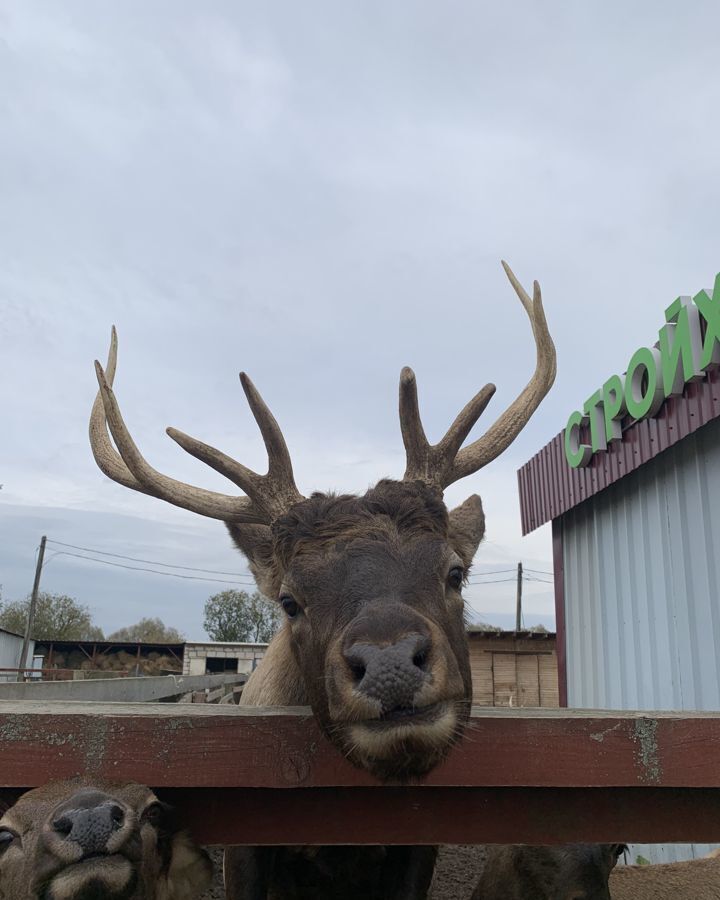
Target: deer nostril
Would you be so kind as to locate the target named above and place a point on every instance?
(357, 670)
(420, 659)
(63, 825)
(117, 814)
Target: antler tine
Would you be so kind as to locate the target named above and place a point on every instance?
(272, 493)
(244, 478)
(444, 463)
(128, 467)
(426, 462)
(417, 447)
(280, 471)
(465, 421)
(106, 456)
(505, 429)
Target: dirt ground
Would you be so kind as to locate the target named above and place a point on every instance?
(456, 874)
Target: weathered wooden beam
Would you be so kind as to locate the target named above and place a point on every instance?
(280, 747)
(448, 815)
(519, 775)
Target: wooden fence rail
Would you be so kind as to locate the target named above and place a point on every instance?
(268, 776)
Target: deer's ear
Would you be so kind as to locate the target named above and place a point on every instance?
(467, 527)
(255, 542)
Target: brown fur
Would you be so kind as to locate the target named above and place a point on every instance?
(329, 873)
(696, 879)
(376, 566)
(567, 872)
(339, 556)
(145, 859)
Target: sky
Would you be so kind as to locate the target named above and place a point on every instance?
(319, 194)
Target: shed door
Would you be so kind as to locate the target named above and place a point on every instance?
(504, 679)
(528, 680)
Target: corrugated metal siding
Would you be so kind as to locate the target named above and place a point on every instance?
(642, 606)
(10, 650)
(549, 487)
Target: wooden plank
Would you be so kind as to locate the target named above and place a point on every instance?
(505, 679)
(528, 680)
(482, 675)
(549, 680)
(422, 815)
(445, 815)
(202, 745)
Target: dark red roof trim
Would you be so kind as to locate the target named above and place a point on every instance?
(549, 487)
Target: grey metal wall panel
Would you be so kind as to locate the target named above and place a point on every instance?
(642, 602)
(10, 650)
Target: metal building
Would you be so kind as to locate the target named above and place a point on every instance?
(10, 650)
(636, 547)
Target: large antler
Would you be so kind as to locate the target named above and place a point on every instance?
(268, 496)
(442, 464)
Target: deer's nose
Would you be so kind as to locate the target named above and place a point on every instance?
(391, 674)
(90, 823)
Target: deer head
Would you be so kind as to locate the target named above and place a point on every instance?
(82, 839)
(370, 585)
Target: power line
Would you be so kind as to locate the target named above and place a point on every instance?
(494, 581)
(150, 562)
(477, 578)
(106, 562)
(494, 572)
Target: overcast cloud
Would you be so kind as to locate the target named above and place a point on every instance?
(320, 193)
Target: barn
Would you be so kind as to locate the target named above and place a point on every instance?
(632, 489)
(105, 659)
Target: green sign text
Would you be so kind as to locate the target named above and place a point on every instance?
(687, 348)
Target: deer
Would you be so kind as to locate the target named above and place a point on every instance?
(370, 585)
(564, 872)
(589, 872)
(84, 839)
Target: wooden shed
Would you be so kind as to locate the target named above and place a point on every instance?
(513, 668)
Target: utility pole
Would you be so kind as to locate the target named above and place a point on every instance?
(518, 607)
(31, 611)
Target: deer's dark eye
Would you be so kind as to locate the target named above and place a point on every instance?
(154, 814)
(455, 577)
(7, 837)
(290, 605)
